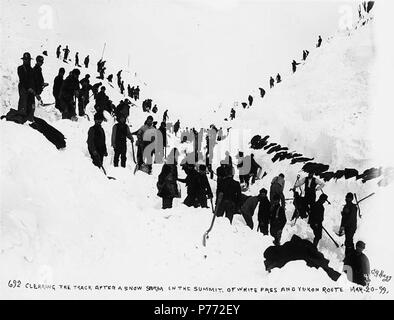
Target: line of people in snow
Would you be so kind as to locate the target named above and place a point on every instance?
(294, 65)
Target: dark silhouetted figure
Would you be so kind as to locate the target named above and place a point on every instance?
(165, 116)
(96, 141)
(262, 92)
(26, 86)
(278, 78)
(316, 217)
(348, 223)
(250, 99)
(77, 60)
(120, 134)
(294, 65)
(68, 92)
(264, 212)
(66, 53)
(58, 50)
(232, 114)
(319, 41)
(272, 82)
(277, 219)
(86, 62)
(177, 125)
(83, 97)
(137, 93)
(110, 77)
(305, 54)
(57, 84)
(360, 265)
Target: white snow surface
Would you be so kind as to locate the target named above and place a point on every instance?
(63, 222)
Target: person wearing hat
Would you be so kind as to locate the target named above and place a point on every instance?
(316, 218)
(26, 87)
(68, 92)
(66, 53)
(167, 182)
(348, 222)
(58, 51)
(57, 84)
(102, 100)
(248, 208)
(360, 265)
(204, 191)
(96, 141)
(120, 133)
(86, 61)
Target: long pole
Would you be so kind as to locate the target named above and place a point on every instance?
(102, 55)
(331, 237)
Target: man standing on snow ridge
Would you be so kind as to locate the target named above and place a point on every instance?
(316, 217)
(294, 65)
(272, 82)
(57, 84)
(26, 86)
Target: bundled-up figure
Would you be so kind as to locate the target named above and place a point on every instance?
(57, 84)
(192, 182)
(204, 187)
(26, 86)
(277, 219)
(102, 101)
(231, 190)
(167, 184)
(68, 92)
(316, 218)
(359, 263)
(264, 212)
(123, 108)
(83, 97)
(39, 82)
(277, 187)
(96, 141)
(254, 169)
(120, 132)
(249, 206)
(349, 222)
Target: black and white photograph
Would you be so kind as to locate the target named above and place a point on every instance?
(196, 150)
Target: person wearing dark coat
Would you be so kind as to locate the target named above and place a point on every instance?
(262, 92)
(137, 93)
(319, 41)
(83, 96)
(68, 92)
(77, 60)
(250, 100)
(263, 215)
(66, 52)
(311, 185)
(232, 114)
(249, 206)
(305, 54)
(231, 190)
(123, 109)
(316, 218)
(163, 131)
(277, 219)
(360, 265)
(254, 168)
(120, 134)
(165, 116)
(272, 82)
(38, 77)
(57, 84)
(122, 87)
(86, 61)
(166, 185)
(26, 88)
(205, 189)
(192, 182)
(102, 100)
(96, 141)
(119, 77)
(294, 65)
(95, 88)
(349, 222)
(58, 52)
(176, 127)
(278, 78)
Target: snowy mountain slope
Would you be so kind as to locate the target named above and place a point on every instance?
(62, 221)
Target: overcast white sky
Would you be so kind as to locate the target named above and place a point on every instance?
(199, 51)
